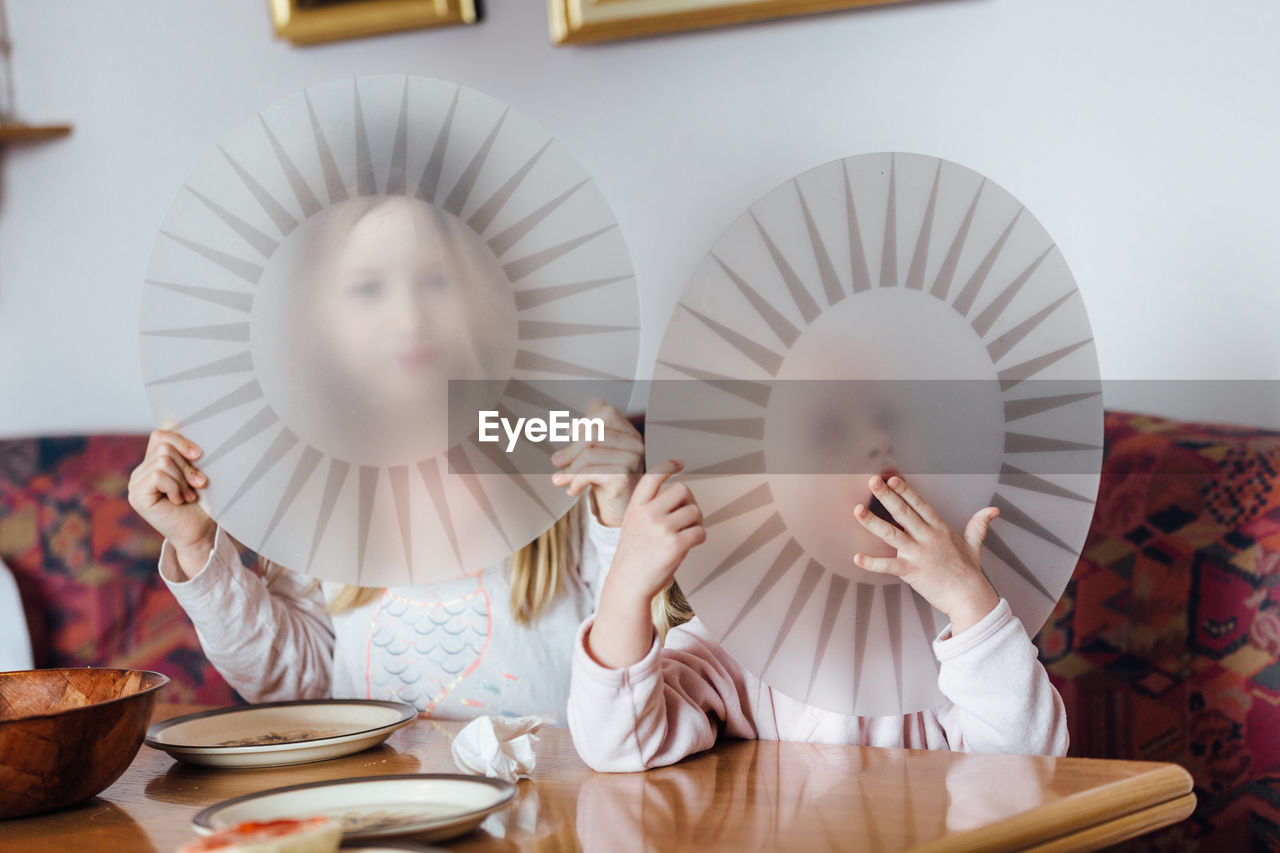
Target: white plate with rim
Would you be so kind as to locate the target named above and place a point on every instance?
(431, 806)
(278, 733)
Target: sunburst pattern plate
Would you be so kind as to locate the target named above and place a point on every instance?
(883, 312)
(254, 341)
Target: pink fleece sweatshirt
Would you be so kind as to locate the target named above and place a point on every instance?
(677, 700)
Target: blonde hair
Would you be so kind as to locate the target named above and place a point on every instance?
(537, 571)
(353, 598)
(669, 608)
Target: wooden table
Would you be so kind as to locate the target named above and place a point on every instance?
(743, 795)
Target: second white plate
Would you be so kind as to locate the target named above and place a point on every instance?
(431, 806)
(276, 733)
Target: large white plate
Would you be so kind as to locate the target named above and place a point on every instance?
(431, 806)
(331, 444)
(276, 733)
(882, 312)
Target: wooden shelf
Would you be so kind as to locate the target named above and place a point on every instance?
(18, 132)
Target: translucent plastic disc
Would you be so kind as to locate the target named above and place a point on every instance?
(883, 313)
(342, 284)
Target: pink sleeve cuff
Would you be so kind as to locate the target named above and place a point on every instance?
(585, 665)
(948, 647)
(214, 572)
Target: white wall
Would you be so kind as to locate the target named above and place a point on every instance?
(1143, 134)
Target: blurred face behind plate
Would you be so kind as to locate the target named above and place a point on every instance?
(383, 303)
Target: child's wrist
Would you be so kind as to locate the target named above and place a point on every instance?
(605, 509)
(972, 607)
(193, 556)
(620, 599)
(623, 629)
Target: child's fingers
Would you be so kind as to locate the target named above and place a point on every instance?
(879, 565)
(975, 532)
(165, 484)
(566, 455)
(650, 482)
(913, 499)
(195, 477)
(175, 469)
(164, 464)
(614, 439)
(179, 466)
(623, 439)
(186, 448)
(613, 419)
(593, 457)
(691, 537)
(898, 508)
(685, 517)
(190, 473)
(575, 484)
(671, 496)
(878, 527)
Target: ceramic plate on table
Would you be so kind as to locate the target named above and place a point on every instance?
(393, 848)
(430, 806)
(385, 847)
(276, 733)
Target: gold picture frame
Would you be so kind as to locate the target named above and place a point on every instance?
(574, 21)
(315, 23)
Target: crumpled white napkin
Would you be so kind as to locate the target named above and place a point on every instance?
(499, 746)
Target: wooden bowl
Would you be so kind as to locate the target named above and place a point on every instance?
(66, 734)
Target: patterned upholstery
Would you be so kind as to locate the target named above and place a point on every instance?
(86, 564)
(1166, 645)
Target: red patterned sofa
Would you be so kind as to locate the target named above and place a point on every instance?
(1166, 645)
(85, 564)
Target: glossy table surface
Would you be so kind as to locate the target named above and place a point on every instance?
(742, 795)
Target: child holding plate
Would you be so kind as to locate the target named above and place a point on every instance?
(393, 304)
(635, 704)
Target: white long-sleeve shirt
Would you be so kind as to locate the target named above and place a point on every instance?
(677, 700)
(452, 649)
(15, 640)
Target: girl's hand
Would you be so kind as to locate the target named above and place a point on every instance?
(939, 564)
(162, 489)
(661, 525)
(609, 467)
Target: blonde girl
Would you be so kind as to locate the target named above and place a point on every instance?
(410, 315)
